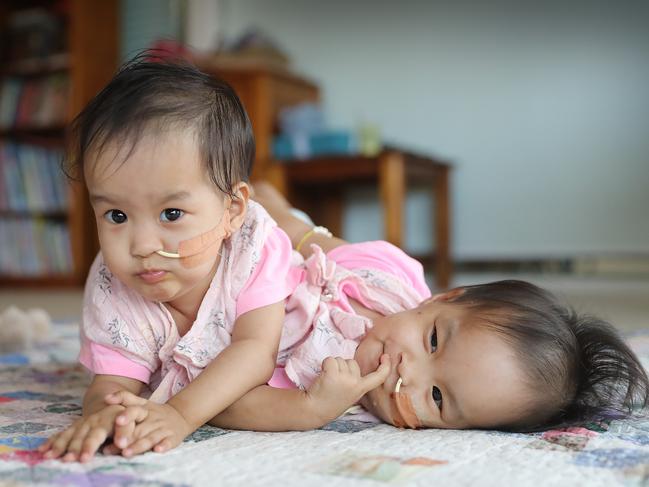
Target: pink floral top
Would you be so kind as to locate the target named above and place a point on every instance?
(320, 322)
(124, 334)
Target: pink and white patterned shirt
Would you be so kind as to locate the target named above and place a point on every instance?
(124, 334)
(320, 321)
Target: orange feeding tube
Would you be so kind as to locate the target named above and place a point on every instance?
(193, 251)
(403, 412)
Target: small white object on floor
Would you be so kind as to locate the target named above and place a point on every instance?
(20, 330)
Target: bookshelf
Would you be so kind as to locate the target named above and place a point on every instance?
(54, 56)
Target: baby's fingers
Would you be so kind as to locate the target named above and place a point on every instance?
(74, 446)
(91, 444)
(125, 424)
(378, 377)
(147, 443)
(330, 365)
(57, 445)
(46, 445)
(353, 367)
(125, 398)
(111, 449)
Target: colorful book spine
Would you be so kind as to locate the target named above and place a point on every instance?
(34, 247)
(31, 179)
(33, 103)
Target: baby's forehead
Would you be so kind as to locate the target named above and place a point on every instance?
(110, 152)
(482, 315)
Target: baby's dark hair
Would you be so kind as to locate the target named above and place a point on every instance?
(578, 365)
(155, 93)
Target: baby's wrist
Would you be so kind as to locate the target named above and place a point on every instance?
(190, 426)
(317, 409)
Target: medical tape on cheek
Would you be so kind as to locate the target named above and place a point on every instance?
(193, 251)
(403, 412)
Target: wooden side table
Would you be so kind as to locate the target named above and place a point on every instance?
(316, 185)
(264, 91)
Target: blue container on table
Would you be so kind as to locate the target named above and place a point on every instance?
(304, 146)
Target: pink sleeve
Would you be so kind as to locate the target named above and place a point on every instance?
(280, 380)
(385, 257)
(103, 360)
(270, 282)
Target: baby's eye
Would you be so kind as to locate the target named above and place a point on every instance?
(433, 341)
(115, 216)
(171, 214)
(437, 397)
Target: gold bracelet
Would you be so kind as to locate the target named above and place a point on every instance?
(315, 230)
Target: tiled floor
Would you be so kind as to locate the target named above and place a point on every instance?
(622, 301)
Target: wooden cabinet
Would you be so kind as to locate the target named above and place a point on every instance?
(317, 185)
(264, 91)
(86, 60)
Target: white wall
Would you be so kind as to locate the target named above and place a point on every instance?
(543, 107)
(145, 21)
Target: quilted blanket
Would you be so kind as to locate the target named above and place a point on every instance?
(40, 393)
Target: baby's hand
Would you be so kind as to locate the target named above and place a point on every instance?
(145, 425)
(340, 385)
(81, 440)
(125, 423)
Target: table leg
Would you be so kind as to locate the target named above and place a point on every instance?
(392, 189)
(442, 228)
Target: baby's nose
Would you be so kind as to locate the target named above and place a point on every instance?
(401, 367)
(411, 370)
(144, 242)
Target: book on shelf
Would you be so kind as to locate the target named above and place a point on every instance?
(34, 102)
(31, 179)
(34, 247)
(33, 32)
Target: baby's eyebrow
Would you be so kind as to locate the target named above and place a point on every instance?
(178, 195)
(100, 198)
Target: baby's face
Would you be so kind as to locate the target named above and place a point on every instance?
(157, 198)
(456, 373)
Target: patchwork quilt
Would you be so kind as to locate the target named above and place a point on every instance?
(40, 393)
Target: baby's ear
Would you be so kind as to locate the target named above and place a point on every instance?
(446, 297)
(239, 205)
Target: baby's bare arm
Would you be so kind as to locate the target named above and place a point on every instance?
(280, 209)
(102, 385)
(266, 408)
(249, 361)
(339, 386)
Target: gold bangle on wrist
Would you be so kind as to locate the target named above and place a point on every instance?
(315, 230)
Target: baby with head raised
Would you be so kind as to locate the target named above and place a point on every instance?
(188, 265)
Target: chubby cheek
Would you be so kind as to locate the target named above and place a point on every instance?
(115, 257)
(377, 403)
(193, 275)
